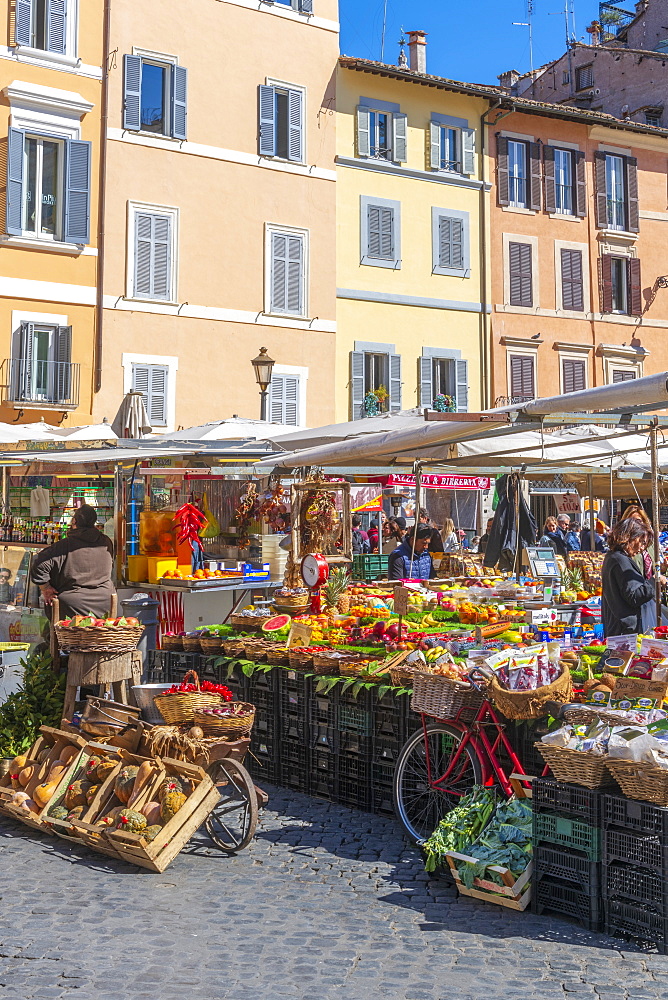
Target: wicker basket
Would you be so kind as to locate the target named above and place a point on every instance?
(211, 644)
(192, 645)
(249, 623)
(172, 643)
(233, 647)
(300, 659)
(585, 715)
(325, 663)
(402, 676)
(228, 726)
(278, 657)
(288, 605)
(442, 697)
(177, 709)
(350, 668)
(529, 704)
(102, 639)
(579, 767)
(645, 782)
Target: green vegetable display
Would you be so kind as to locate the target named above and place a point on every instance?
(506, 842)
(39, 702)
(460, 826)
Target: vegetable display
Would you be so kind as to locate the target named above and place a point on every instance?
(506, 841)
(460, 826)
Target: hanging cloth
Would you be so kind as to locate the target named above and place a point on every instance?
(40, 502)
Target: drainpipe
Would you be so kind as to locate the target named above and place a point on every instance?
(102, 199)
(485, 336)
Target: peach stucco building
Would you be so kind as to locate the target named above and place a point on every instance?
(220, 209)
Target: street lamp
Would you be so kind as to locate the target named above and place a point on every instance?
(263, 366)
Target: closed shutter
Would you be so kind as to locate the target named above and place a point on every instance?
(153, 253)
(572, 288)
(600, 190)
(380, 232)
(623, 375)
(468, 151)
(632, 210)
(521, 290)
(132, 93)
(23, 23)
(151, 382)
(62, 355)
(450, 242)
(14, 218)
(267, 103)
(22, 366)
(434, 146)
(550, 183)
(635, 289)
(395, 382)
(287, 266)
(425, 382)
(356, 385)
(295, 126)
(605, 282)
(462, 384)
(580, 185)
(77, 191)
(502, 177)
(522, 376)
(363, 132)
(399, 138)
(574, 374)
(55, 25)
(179, 102)
(284, 399)
(535, 176)
(305, 6)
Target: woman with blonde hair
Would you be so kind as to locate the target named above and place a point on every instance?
(552, 536)
(449, 536)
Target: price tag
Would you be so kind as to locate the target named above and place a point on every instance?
(401, 600)
(300, 635)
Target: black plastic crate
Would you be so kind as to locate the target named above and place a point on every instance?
(382, 801)
(294, 752)
(386, 751)
(649, 851)
(553, 862)
(641, 817)
(297, 778)
(354, 743)
(631, 883)
(355, 712)
(323, 781)
(568, 833)
(322, 709)
(522, 736)
(567, 800)
(382, 773)
(294, 693)
(640, 924)
(181, 663)
(158, 669)
(351, 793)
(262, 690)
(262, 759)
(264, 724)
(293, 727)
(412, 721)
(556, 896)
(324, 738)
(355, 767)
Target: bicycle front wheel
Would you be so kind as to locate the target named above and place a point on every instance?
(418, 804)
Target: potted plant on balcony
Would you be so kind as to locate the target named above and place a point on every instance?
(375, 401)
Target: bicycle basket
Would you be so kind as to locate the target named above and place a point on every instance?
(529, 704)
(442, 697)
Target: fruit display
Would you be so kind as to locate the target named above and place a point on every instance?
(87, 621)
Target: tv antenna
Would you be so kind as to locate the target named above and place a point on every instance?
(382, 36)
(528, 24)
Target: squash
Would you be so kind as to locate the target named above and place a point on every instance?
(124, 784)
(151, 832)
(67, 753)
(111, 818)
(91, 793)
(56, 772)
(104, 769)
(58, 812)
(91, 768)
(43, 754)
(144, 775)
(30, 805)
(131, 821)
(19, 763)
(76, 794)
(19, 797)
(170, 784)
(42, 793)
(172, 801)
(76, 813)
(152, 812)
(26, 774)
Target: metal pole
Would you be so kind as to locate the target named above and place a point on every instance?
(590, 493)
(655, 515)
(518, 545)
(418, 497)
(263, 404)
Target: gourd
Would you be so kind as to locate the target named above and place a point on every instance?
(76, 813)
(58, 812)
(30, 805)
(43, 754)
(19, 763)
(91, 767)
(144, 775)
(19, 797)
(170, 784)
(131, 821)
(26, 774)
(42, 793)
(56, 772)
(152, 812)
(172, 801)
(67, 753)
(124, 783)
(111, 817)
(76, 794)
(91, 793)
(104, 769)
(151, 832)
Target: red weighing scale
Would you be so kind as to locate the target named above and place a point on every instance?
(315, 573)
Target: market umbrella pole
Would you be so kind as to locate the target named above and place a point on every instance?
(654, 455)
(590, 494)
(518, 541)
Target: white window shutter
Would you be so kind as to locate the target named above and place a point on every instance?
(426, 382)
(153, 253)
(356, 385)
(287, 274)
(15, 158)
(132, 93)
(399, 138)
(434, 146)
(141, 382)
(267, 100)
(157, 413)
(295, 277)
(284, 399)
(77, 191)
(55, 25)
(363, 131)
(395, 382)
(462, 385)
(468, 151)
(295, 126)
(23, 22)
(179, 102)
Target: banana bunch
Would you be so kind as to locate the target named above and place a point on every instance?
(435, 653)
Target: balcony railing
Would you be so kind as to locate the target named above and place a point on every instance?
(45, 383)
(512, 400)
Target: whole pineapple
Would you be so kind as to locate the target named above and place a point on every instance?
(334, 591)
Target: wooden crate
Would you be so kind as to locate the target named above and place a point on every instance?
(56, 740)
(176, 833)
(515, 893)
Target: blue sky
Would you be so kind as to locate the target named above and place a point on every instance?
(472, 41)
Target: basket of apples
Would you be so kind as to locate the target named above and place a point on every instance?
(87, 634)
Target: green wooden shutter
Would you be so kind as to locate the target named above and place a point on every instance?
(23, 22)
(55, 25)
(522, 376)
(356, 385)
(399, 137)
(434, 146)
(425, 382)
(77, 191)
(179, 93)
(462, 384)
(521, 286)
(14, 212)
(574, 374)
(62, 355)
(267, 102)
(395, 382)
(295, 126)
(572, 288)
(468, 151)
(132, 93)
(363, 131)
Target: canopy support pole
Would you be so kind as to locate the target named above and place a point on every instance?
(417, 472)
(654, 455)
(518, 543)
(592, 523)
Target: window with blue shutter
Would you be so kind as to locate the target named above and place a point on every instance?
(151, 382)
(284, 399)
(450, 242)
(155, 97)
(153, 256)
(77, 192)
(42, 24)
(374, 373)
(281, 122)
(287, 279)
(43, 370)
(443, 374)
(380, 232)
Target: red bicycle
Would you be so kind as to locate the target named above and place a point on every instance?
(443, 759)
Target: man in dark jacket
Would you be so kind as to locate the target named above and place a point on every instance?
(403, 565)
(78, 569)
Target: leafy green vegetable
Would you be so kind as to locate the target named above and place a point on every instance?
(506, 842)
(460, 826)
(38, 702)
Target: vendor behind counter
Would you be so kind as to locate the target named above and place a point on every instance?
(78, 569)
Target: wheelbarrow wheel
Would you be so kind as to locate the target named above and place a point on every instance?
(232, 823)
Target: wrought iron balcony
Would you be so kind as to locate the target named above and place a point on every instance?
(40, 383)
(512, 400)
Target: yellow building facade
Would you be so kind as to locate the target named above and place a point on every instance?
(412, 296)
(51, 59)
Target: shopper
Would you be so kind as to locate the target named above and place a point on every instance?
(628, 604)
(475, 543)
(361, 542)
(435, 540)
(553, 537)
(77, 570)
(573, 537)
(482, 544)
(564, 529)
(373, 536)
(600, 544)
(449, 536)
(406, 564)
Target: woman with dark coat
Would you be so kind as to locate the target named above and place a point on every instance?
(628, 603)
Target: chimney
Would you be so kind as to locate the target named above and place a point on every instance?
(594, 30)
(508, 79)
(417, 51)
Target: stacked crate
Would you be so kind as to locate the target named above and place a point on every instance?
(393, 723)
(323, 742)
(293, 693)
(635, 869)
(263, 760)
(355, 723)
(567, 851)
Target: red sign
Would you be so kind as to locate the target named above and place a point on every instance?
(435, 482)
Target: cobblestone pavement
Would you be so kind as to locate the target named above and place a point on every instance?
(327, 903)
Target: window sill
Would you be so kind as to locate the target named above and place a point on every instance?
(518, 210)
(53, 246)
(153, 302)
(617, 234)
(158, 136)
(59, 59)
(292, 316)
(37, 404)
(283, 159)
(453, 272)
(565, 218)
(392, 265)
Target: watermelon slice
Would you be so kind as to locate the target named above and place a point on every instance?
(277, 623)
